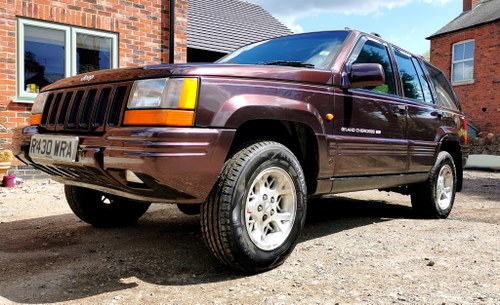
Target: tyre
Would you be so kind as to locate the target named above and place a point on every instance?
(434, 198)
(189, 209)
(256, 211)
(103, 210)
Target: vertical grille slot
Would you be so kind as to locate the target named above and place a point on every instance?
(64, 108)
(87, 108)
(75, 106)
(100, 109)
(116, 106)
(46, 109)
(55, 108)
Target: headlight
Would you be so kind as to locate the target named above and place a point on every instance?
(165, 93)
(162, 101)
(37, 109)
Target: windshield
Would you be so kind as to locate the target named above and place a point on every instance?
(310, 50)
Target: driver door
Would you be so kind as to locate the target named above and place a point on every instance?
(370, 122)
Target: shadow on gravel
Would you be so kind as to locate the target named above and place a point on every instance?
(485, 187)
(336, 213)
(58, 259)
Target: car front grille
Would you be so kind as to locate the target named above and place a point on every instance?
(85, 109)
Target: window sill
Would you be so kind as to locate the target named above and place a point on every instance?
(461, 83)
(23, 100)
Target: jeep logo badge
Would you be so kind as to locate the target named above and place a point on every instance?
(87, 78)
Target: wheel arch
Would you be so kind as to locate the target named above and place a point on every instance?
(242, 108)
(452, 146)
(298, 137)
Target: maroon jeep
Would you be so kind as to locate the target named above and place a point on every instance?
(250, 138)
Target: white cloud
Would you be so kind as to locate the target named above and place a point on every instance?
(290, 23)
(288, 12)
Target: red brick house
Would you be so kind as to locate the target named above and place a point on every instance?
(46, 40)
(467, 49)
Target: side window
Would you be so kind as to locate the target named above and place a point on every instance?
(374, 52)
(409, 77)
(445, 96)
(423, 81)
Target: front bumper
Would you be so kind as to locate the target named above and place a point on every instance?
(176, 165)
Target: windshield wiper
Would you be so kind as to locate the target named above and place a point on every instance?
(289, 63)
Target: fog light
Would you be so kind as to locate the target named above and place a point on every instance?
(131, 177)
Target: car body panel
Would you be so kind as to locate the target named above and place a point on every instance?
(364, 139)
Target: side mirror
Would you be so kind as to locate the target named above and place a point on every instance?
(366, 75)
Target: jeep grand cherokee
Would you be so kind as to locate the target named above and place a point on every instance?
(251, 137)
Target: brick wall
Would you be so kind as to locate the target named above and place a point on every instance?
(142, 27)
(480, 100)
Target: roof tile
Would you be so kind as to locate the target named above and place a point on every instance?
(484, 12)
(226, 25)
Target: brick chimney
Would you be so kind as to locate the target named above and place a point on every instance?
(469, 4)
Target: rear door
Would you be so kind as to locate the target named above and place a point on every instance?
(423, 116)
(370, 123)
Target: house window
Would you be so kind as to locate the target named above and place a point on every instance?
(462, 68)
(49, 52)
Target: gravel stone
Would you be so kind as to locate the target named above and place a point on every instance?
(357, 248)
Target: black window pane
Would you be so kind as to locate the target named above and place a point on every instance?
(373, 52)
(409, 77)
(423, 81)
(445, 96)
(43, 57)
(92, 53)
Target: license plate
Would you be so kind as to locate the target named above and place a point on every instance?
(59, 148)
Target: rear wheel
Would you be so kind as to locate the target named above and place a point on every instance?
(254, 215)
(103, 210)
(434, 198)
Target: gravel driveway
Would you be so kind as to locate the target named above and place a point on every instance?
(362, 248)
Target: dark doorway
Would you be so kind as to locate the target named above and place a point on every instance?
(197, 55)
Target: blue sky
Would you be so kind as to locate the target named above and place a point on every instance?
(402, 22)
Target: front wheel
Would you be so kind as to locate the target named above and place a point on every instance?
(435, 198)
(103, 210)
(256, 211)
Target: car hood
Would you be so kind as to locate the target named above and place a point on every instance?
(283, 73)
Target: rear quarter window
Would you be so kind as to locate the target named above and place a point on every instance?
(445, 96)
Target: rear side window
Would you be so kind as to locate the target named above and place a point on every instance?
(423, 81)
(445, 96)
(409, 77)
(374, 52)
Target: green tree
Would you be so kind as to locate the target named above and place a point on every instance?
(427, 55)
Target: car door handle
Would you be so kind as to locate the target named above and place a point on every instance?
(400, 109)
(439, 114)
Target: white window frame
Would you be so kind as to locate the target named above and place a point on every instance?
(114, 45)
(453, 62)
(70, 33)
